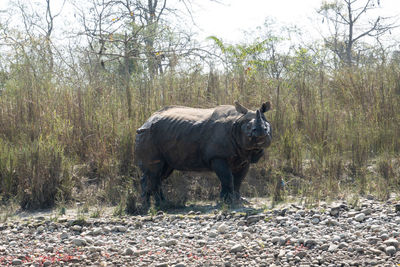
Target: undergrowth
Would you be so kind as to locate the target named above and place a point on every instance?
(65, 140)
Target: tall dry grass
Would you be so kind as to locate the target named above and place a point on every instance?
(334, 131)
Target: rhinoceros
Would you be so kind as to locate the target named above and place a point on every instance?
(225, 139)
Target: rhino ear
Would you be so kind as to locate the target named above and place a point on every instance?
(240, 108)
(265, 107)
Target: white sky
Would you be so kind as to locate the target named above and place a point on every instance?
(228, 21)
(229, 18)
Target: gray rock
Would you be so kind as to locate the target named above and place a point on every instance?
(301, 254)
(223, 228)
(202, 242)
(129, 251)
(16, 262)
(336, 238)
(180, 265)
(376, 252)
(384, 236)
(334, 211)
(172, 242)
(360, 250)
(236, 248)
(373, 240)
(397, 208)
(121, 229)
(359, 217)
(301, 213)
(376, 228)
(97, 231)
(310, 243)
(343, 245)
(316, 219)
(275, 233)
(212, 233)
(99, 243)
(391, 250)
(281, 253)
(324, 247)
(49, 249)
(283, 241)
(253, 219)
(76, 228)
(141, 252)
(391, 242)
(367, 211)
(64, 235)
(79, 242)
(332, 248)
(275, 239)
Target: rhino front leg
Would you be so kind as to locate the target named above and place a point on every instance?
(238, 178)
(223, 171)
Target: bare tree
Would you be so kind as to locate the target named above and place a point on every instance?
(348, 25)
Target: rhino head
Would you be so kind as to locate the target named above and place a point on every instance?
(255, 131)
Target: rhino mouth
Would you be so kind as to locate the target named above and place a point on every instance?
(262, 141)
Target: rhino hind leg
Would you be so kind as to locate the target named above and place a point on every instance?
(151, 183)
(146, 193)
(158, 193)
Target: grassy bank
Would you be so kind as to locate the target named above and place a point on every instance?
(68, 137)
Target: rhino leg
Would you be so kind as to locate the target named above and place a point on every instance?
(223, 171)
(151, 183)
(146, 193)
(238, 177)
(158, 194)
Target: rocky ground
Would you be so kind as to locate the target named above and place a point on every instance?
(333, 234)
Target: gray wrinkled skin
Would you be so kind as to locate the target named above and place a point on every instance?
(224, 139)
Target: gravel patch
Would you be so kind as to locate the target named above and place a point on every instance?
(332, 234)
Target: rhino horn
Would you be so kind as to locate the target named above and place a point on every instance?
(239, 108)
(259, 122)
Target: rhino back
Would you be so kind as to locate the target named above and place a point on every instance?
(187, 138)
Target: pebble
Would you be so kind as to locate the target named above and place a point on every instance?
(64, 235)
(172, 242)
(222, 229)
(128, 251)
(79, 242)
(391, 250)
(236, 248)
(16, 262)
(76, 228)
(332, 248)
(391, 242)
(359, 217)
(292, 236)
(253, 219)
(97, 231)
